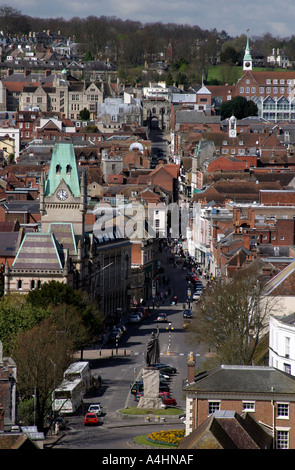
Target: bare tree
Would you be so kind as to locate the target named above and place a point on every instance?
(232, 317)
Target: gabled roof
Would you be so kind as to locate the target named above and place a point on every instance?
(228, 430)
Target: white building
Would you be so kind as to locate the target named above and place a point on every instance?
(282, 343)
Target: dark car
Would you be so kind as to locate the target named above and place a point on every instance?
(162, 317)
(161, 365)
(188, 313)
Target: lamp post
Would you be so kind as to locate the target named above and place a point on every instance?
(189, 295)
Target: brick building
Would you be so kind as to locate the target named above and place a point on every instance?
(265, 392)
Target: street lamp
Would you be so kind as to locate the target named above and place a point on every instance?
(189, 295)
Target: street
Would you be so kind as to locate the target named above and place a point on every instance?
(118, 372)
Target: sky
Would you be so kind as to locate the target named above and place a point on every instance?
(233, 16)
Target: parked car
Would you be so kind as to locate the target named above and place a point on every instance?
(162, 317)
(91, 418)
(95, 409)
(196, 295)
(59, 420)
(167, 399)
(161, 365)
(186, 323)
(135, 318)
(188, 313)
(115, 334)
(137, 387)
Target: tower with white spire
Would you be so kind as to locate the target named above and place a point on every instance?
(247, 61)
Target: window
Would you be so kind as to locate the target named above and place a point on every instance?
(282, 439)
(253, 89)
(287, 368)
(268, 81)
(19, 284)
(261, 89)
(241, 89)
(248, 406)
(213, 406)
(32, 284)
(287, 346)
(283, 410)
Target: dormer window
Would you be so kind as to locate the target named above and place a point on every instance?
(58, 169)
(68, 169)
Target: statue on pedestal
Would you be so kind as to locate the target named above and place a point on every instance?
(152, 353)
(151, 375)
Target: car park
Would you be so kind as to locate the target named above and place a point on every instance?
(91, 419)
(188, 313)
(96, 408)
(162, 317)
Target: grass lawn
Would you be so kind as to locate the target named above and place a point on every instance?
(229, 74)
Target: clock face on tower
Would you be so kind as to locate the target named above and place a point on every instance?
(62, 194)
(247, 64)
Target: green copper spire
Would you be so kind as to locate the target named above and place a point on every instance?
(63, 166)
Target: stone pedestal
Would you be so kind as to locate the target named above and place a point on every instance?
(151, 382)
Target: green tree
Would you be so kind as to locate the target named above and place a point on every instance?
(239, 107)
(63, 303)
(41, 354)
(17, 315)
(84, 114)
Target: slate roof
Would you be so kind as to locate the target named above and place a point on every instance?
(8, 243)
(228, 430)
(39, 251)
(243, 379)
(64, 233)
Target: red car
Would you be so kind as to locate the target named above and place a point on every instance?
(91, 418)
(167, 399)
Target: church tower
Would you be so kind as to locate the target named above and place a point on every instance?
(247, 61)
(63, 195)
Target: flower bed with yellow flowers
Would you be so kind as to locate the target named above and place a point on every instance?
(172, 438)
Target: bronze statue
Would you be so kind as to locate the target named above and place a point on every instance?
(152, 354)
